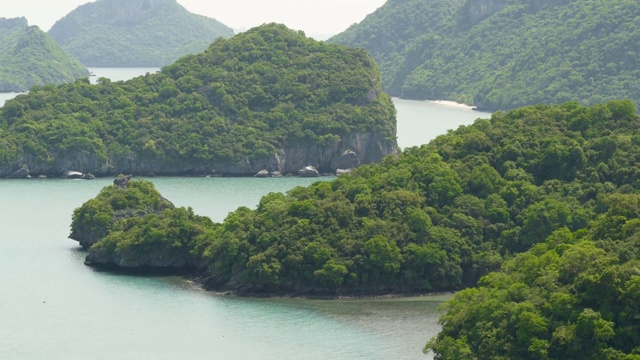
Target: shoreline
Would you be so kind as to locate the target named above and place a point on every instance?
(453, 104)
(198, 281)
(449, 103)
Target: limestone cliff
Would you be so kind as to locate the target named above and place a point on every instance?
(342, 153)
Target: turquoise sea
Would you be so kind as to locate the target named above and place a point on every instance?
(54, 307)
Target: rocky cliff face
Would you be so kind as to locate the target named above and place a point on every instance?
(345, 152)
(157, 259)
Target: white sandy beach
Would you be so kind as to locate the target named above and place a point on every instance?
(452, 103)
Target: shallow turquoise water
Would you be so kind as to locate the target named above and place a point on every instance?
(54, 307)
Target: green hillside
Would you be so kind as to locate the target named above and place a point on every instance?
(503, 54)
(29, 57)
(267, 99)
(129, 33)
(433, 218)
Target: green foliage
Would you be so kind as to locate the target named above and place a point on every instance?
(97, 218)
(109, 33)
(440, 217)
(29, 57)
(504, 54)
(240, 101)
(560, 300)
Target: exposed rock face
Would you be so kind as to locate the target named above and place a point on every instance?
(157, 258)
(346, 152)
(263, 174)
(22, 173)
(308, 171)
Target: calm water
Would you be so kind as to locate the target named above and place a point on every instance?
(117, 74)
(422, 121)
(54, 307)
(6, 96)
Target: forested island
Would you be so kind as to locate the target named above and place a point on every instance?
(503, 54)
(432, 218)
(269, 99)
(30, 57)
(135, 33)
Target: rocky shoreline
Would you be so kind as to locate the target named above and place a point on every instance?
(336, 157)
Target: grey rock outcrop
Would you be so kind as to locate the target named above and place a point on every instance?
(164, 258)
(22, 173)
(308, 171)
(263, 174)
(122, 181)
(73, 174)
(347, 151)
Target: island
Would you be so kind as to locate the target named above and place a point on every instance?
(504, 54)
(433, 218)
(135, 33)
(269, 100)
(30, 57)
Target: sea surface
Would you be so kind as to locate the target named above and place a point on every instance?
(54, 307)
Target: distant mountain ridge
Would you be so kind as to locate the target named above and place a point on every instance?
(131, 33)
(30, 57)
(503, 54)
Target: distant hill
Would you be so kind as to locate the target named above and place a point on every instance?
(29, 57)
(502, 54)
(135, 32)
(267, 99)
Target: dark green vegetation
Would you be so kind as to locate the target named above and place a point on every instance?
(29, 57)
(113, 33)
(269, 98)
(433, 218)
(503, 54)
(569, 298)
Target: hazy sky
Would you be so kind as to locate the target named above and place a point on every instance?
(315, 17)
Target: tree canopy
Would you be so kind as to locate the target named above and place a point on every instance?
(239, 102)
(504, 54)
(575, 296)
(435, 217)
(129, 33)
(29, 57)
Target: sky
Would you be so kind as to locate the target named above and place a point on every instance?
(318, 18)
